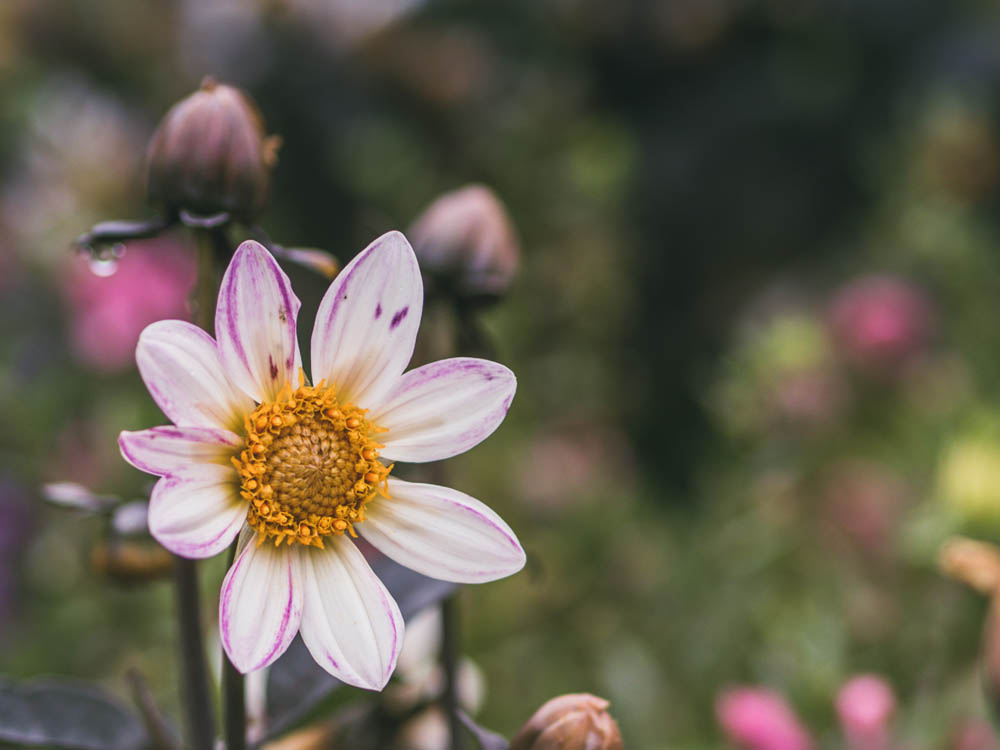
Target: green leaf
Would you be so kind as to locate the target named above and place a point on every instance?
(66, 715)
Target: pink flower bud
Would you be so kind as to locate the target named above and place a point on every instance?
(880, 321)
(466, 243)
(210, 154)
(865, 705)
(759, 719)
(570, 722)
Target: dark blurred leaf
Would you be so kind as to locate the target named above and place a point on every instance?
(66, 715)
(296, 683)
(487, 739)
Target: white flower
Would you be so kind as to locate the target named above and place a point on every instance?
(300, 469)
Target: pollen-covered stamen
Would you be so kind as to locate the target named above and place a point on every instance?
(309, 467)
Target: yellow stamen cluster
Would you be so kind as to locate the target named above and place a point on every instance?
(309, 466)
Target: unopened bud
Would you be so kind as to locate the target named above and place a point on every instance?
(578, 721)
(974, 563)
(865, 705)
(210, 154)
(466, 243)
(128, 562)
(756, 718)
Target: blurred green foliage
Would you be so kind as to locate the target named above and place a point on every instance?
(715, 480)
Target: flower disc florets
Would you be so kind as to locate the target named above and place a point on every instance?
(310, 466)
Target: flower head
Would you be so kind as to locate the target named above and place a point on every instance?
(865, 705)
(759, 719)
(302, 467)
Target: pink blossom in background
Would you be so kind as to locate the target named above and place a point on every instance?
(756, 718)
(880, 321)
(150, 282)
(974, 734)
(865, 705)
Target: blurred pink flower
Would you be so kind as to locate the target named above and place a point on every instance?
(974, 734)
(880, 321)
(150, 282)
(755, 718)
(865, 705)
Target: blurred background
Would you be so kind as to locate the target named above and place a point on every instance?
(755, 328)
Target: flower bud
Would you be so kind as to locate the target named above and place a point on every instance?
(578, 721)
(865, 705)
(880, 322)
(129, 561)
(760, 719)
(466, 244)
(210, 155)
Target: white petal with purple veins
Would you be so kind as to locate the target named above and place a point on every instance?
(367, 322)
(255, 323)
(444, 408)
(196, 512)
(260, 605)
(350, 622)
(442, 533)
(181, 367)
(162, 450)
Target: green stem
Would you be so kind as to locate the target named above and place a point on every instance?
(194, 672)
(234, 710)
(194, 690)
(449, 661)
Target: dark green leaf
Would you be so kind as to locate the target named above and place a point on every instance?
(66, 715)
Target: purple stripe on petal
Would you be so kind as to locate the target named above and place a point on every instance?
(286, 616)
(398, 318)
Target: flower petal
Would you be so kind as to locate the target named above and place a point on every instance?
(442, 533)
(163, 450)
(350, 622)
(444, 408)
(367, 323)
(181, 367)
(255, 323)
(260, 605)
(197, 511)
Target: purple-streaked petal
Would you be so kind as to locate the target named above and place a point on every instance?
(163, 450)
(444, 408)
(196, 512)
(260, 605)
(367, 323)
(442, 533)
(350, 622)
(181, 367)
(255, 323)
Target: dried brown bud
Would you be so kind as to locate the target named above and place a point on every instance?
(466, 243)
(126, 561)
(210, 155)
(578, 721)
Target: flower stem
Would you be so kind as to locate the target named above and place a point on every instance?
(194, 685)
(449, 660)
(234, 710)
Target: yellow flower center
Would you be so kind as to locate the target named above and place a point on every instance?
(309, 466)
